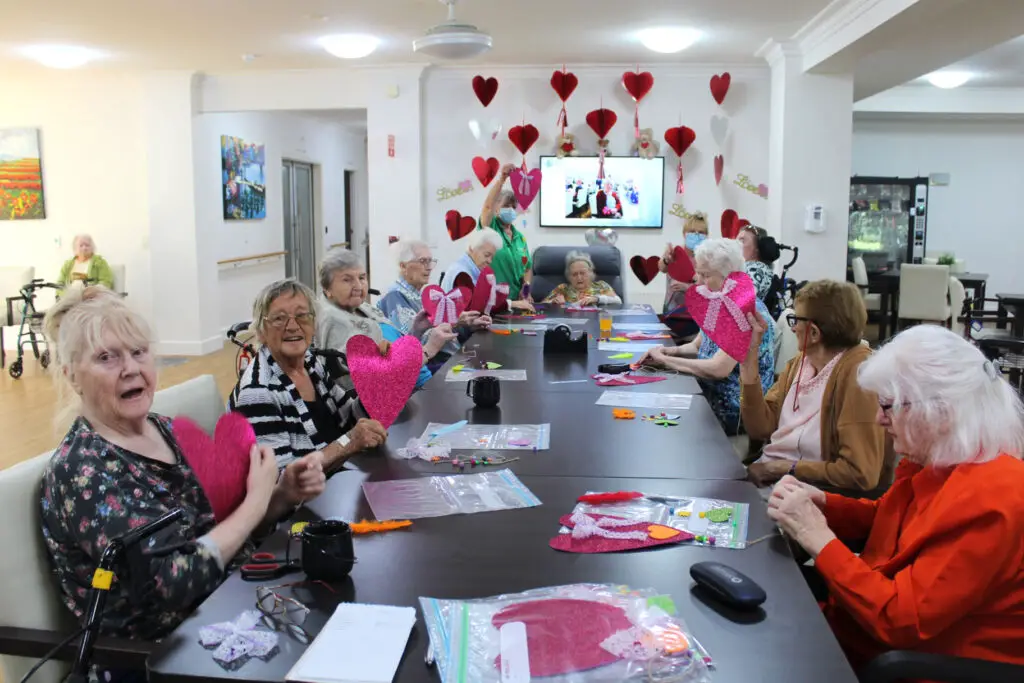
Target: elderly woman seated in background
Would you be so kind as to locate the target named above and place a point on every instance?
(480, 250)
(759, 252)
(294, 405)
(941, 571)
(120, 467)
(819, 423)
(580, 287)
(86, 267)
(717, 372)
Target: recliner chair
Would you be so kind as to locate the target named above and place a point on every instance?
(549, 268)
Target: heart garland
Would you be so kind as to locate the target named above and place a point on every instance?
(681, 269)
(637, 84)
(679, 139)
(564, 84)
(489, 295)
(525, 186)
(384, 383)
(722, 315)
(719, 167)
(485, 89)
(720, 86)
(732, 224)
(645, 269)
(486, 170)
(601, 122)
(221, 464)
(444, 307)
(458, 225)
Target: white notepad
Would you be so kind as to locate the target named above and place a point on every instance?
(358, 644)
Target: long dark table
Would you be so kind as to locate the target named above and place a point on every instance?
(493, 553)
(887, 284)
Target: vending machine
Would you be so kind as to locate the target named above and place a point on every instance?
(888, 221)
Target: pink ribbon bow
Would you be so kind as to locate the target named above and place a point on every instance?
(524, 184)
(446, 311)
(715, 302)
(585, 526)
(492, 298)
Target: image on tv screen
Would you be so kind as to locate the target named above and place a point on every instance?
(630, 195)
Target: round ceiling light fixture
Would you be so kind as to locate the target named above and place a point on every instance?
(350, 45)
(61, 56)
(668, 39)
(948, 79)
(453, 39)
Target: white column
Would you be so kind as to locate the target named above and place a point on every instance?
(809, 161)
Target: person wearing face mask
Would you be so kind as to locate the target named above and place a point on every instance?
(512, 264)
(86, 266)
(683, 328)
(482, 247)
(580, 287)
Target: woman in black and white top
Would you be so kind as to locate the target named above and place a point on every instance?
(286, 394)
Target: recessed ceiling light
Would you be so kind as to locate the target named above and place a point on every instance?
(350, 45)
(668, 39)
(948, 79)
(60, 56)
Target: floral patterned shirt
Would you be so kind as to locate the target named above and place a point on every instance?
(93, 491)
(601, 289)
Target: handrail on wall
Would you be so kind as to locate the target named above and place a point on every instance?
(338, 244)
(254, 257)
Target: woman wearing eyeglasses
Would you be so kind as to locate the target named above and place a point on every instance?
(286, 392)
(942, 569)
(818, 421)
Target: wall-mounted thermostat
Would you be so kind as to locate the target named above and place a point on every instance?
(814, 220)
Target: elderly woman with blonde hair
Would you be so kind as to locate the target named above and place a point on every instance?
(942, 570)
(120, 466)
(580, 287)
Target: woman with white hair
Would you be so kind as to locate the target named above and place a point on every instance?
(717, 372)
(513, 263)
(943, 567)
(580, 288)
(86, 267)
(480, 250)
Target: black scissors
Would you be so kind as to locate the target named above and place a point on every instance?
(265, 566)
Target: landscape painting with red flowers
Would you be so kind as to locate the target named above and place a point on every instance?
(21, 175)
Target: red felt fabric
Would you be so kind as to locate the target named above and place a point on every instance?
(597, 544)
(222, 463)
(635, 381)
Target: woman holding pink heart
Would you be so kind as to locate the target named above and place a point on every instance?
(684, 329)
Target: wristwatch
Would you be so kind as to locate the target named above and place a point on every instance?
(343, 440)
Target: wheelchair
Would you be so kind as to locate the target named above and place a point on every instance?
(242, 336)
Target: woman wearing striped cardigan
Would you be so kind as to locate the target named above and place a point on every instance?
(286, 393)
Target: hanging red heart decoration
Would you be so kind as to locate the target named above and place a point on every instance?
(486, 169)
(681, 269)
(485, 89)
(601, 121)
(645, 269)
(679, 139)
(637, 84)
(458, 225)
(523, 137)
(720, 86)
(732, 224)
(719, 167)
(564, 84)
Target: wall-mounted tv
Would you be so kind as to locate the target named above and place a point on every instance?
(631, 194)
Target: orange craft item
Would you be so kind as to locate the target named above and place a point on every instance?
(366, 527)
(660, 532)
(623, 413)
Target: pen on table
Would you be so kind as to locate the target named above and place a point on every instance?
(569, 381)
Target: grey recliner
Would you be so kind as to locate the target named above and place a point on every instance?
(549, 268)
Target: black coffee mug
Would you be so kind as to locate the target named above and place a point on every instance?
(327, 552)
(485, 391)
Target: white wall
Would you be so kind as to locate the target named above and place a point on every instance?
(977, 217)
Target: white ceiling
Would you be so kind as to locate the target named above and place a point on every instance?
(212, 35)
(999, 67)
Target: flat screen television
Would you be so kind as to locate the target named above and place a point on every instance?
(631, 194)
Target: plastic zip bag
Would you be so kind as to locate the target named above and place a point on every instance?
(460, 494)
(491, 437)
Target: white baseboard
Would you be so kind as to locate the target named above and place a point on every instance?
(189, 348)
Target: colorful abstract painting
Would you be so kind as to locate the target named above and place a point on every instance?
(21, 175)
(242, 176)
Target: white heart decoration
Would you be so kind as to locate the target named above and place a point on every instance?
(719, 129)
(485, 132)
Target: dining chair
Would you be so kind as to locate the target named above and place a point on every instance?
(924, 293)
(872, 302)
(957, 297)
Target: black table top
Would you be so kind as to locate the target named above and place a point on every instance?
(1011, 299)
(470, 556)
(894, 274)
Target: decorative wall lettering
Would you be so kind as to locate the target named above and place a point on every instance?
(444, 193)
(744, 182)
(679, 211)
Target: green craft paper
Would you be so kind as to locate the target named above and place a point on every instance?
(620, 356)
(457, 368)
(665, 602)
(493, 366)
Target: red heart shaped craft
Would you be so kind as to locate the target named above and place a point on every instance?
(719, 167)
(645, 269)
(722, 315)
(564, 84)
(222, 463)
(489, 295)
(465, 280)
(486, 169)
(601, 121)
(525, 186)
(732, 224)
(679, 139)
(720, 86)
(384, 383)
(444, 307)
(523, 137)
(681, 269)
(458, 225)
(637, 84)
(599, 544)
(485, 89)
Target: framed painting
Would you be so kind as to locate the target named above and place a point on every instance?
(21, 175)
(242, 177)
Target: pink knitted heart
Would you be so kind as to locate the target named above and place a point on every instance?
(384, 383)
(444, 307)
(525, 186)
(222, 463)
(489, 296)
(722, 315)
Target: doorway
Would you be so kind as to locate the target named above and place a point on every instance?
(299, 237)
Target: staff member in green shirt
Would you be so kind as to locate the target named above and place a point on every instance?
(512, 263)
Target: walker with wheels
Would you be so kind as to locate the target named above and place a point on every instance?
(31, 329)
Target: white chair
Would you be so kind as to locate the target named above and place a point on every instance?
(930, 261)
(787, 346)
(957, 297)
(924, 292)
(12, 278)
(872, 302)
(117, 270)
(197, 399)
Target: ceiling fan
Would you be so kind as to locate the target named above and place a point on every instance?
(453, 39)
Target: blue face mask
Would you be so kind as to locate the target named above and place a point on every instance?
(507, 215)
(694, 240)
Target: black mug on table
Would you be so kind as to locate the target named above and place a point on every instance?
(327, 552)
(485, 391)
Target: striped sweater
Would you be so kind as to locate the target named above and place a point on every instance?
(269, 399)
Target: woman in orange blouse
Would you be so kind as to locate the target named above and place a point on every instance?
(942, 570)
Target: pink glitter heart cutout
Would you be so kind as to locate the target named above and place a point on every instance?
(444, 307)
(564, 635)
(722, 315)
(489, 295)
(222, 463)
(525, 186)
(598, 544)
(384, 383)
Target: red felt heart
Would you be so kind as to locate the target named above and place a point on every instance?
(564, 83)
(523, 137)
(525, 186)
(599, 544)
(384, 383)
(489, 295)
(645, 269)
(601, 121)
(458, 225)
(464, 279)
(722, 315)
(444, 307)
(719, 166)
(681, 269)
(679, 139)
(486, 169)
(720, 86)
(485, 89)
(637, 84)
(222, 463)
(732, 224)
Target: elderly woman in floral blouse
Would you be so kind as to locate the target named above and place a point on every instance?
(580, 287)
